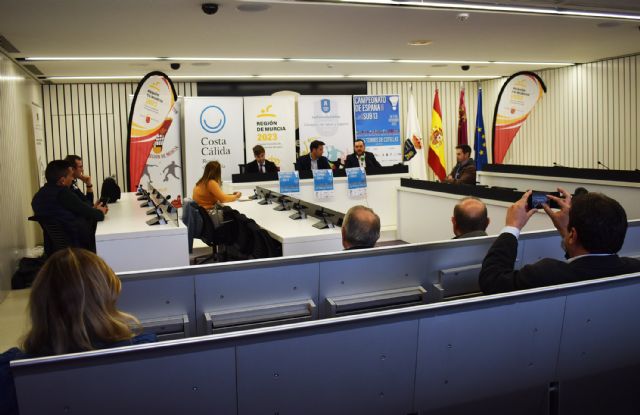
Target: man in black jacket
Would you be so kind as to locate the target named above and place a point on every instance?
(314, 160)
(592, 226)
(360, 157)
(260, 164)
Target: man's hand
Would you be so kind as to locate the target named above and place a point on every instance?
(102, 209)
(85, 179)
(560, 218)
(517, 214)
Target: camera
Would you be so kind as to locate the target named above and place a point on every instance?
(175, 66)
(537, 199)
(465, 67)
(209, 8)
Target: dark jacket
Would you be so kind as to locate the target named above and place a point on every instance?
(369, 160)
(86, 198)
(304, 163)
(464, 173)
(497, 274)
(8, 399)
(269, 167)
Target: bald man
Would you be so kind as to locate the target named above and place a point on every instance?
(470, 218)
(360, 228)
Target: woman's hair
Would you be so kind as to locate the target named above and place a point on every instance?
(212, 171)
(73, 305)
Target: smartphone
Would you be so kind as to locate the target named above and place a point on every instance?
(104, 201)
(537, 199)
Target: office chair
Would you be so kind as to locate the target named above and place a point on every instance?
(55, 235)
(214, 237)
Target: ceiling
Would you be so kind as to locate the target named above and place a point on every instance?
(179, 28)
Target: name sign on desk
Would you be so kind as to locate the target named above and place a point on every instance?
(289, 182)
(322, 183)
(356, 181)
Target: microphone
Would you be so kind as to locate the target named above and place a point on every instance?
(603, 165)
(557, 165)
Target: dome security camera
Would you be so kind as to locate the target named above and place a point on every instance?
(175, 66)
(209, 8)
(465, 67)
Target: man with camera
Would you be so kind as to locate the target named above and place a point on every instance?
(592, 227)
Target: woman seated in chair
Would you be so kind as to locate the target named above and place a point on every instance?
(72, 309)
(208, 191)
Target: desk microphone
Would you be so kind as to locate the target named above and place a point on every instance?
(603, 165)
(557, 165)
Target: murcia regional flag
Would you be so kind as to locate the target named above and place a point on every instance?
(417, 168)
(436, 142)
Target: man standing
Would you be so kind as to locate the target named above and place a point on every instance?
(260, 164)
(465, 171)
(315, 159)
(360, 228)
(470, 218)
(78, 174)
(360, 157)
(592, 226)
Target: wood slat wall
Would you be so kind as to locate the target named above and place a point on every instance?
(90, 120)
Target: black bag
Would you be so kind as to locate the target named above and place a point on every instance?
(27, 270)
(110, 191)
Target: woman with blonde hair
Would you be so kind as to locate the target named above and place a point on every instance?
(72, 307)
(208, 191)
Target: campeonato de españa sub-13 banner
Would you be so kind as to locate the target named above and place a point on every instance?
(271, 122)
(377, 123)
(517, 98)
(149, 120)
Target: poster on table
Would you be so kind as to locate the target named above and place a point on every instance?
(516, 100)
(150, 117)
(38, 137)
(327, 118)
(163, 169)
(356, 181)
(377, 123)
(289, 182)
(213, 130)
(323, 184)
(271, 122)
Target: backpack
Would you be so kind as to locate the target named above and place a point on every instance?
(110, 190)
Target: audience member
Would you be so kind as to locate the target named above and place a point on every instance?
(592, 226)
(72, 308)
(315, 159)
(360, 157)
(360, 228)
(464, 171)
(78, 174)
(470, 218)
(208, 191)
(260, 164)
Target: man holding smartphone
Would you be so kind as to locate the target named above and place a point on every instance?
(592, 226)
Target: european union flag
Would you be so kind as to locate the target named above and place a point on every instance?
(480, 142)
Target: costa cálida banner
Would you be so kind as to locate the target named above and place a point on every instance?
(515, 102)
(149, 120)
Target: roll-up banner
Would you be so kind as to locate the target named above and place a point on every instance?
(38, 137)
(327, 118)
(515, 102)
(213, 130)
(149, 120)
(271, 122)
(377, 123)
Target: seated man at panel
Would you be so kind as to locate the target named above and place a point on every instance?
(469, 218)
(314, 160)
(592, 226)
(55, 200)
(360, 228)
(260, 164)
(361, 158)
(78, 174)
(464, 171)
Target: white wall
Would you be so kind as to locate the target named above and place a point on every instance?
(17, 167)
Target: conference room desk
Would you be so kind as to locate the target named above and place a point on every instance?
(381, 191)
(127, 243)
(297, 237)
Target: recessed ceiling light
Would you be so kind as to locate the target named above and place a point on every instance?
(252, 7)
(420, 42)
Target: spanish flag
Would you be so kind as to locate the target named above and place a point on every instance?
(436, 142)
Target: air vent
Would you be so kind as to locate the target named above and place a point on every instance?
(33, 69)
(7, 46)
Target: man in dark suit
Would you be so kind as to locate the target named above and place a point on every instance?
(360, 228)
(592, 227)
(314, 160)
(464, 171)
(78, 174)
(360, 157)
(470, 218)
(260, 164)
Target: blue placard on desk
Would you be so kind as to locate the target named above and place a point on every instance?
(289, 182)
(356, 178)
(322, 180)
